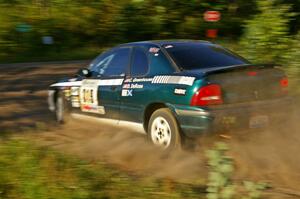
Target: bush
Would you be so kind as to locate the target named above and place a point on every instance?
(266, 36)
(293, 64)
(220, 182)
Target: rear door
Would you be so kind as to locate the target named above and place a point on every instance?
(100, 94)
(135, 87)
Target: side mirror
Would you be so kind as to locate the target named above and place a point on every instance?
(83, 72)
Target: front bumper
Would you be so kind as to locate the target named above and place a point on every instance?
(50, 99)
(195, 121)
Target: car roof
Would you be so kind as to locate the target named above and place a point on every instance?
(162, 42)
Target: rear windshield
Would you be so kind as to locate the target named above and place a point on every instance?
(190, 56)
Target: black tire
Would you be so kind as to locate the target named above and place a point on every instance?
(62, 109)
(160, 136)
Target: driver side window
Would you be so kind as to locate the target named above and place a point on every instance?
(112, 63)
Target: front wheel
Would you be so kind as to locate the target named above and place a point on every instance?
(163, 130)
(61, 109)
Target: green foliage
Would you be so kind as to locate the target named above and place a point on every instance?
(31, 172)
(266, 35)
(220, 183)
(293, 64)
(77, 24)
(221, 170)
(294, 52)
(254, 189)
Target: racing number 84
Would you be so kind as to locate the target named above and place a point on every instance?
(88, 96)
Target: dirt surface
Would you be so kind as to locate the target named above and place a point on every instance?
(23, 92)
(268, 156)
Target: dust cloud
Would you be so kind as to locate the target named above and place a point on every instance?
(269, 155)
(125, 149)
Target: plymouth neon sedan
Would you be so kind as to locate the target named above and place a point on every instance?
(173, 90)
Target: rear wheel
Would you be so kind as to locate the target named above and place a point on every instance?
(163, 130)
(62, 112)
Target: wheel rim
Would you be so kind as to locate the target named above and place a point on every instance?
(161, 132)
(59, 109)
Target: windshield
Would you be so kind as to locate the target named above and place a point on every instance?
(94, 64)
(190, 56)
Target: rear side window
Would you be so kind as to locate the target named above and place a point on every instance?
(190, 56)
(140, 63)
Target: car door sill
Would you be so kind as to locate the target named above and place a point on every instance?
(134, 126)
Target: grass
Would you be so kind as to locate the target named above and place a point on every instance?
(31, 172)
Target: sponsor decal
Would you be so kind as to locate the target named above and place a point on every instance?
(89, 96)
(153, 50)
(93, 109)
(133, 86)
(126, 86)
(136, 86)
(142, 80)
(180, 91)
(133, 82)
(164, 79)
(126, 93)
(128, 80)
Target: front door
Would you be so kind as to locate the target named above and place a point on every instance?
(100, 94)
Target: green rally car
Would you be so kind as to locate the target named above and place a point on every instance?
(173, 90)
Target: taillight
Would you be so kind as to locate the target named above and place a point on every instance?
(208, 95)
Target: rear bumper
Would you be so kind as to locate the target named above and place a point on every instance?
(196, 121)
